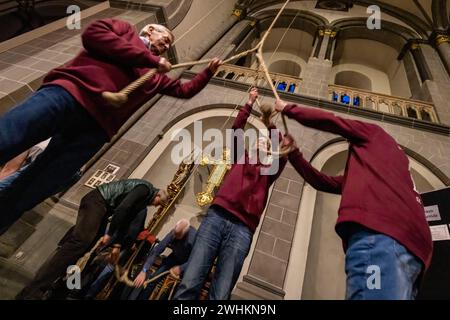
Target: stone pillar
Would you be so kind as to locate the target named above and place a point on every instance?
(316, 75)
(419, 59)
(266, 275)
(442, 43)
(318, 43)
(436, 81)
(330, 35)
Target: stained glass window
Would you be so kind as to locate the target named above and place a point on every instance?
(292, 88)
(345, 99)
(282, 86)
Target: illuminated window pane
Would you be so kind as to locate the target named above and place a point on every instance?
(282, 86)
(345, 99)
(292, 88)
(357, 101)
(335, 97)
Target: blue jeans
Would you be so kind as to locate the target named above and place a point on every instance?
(100, 282)
(223, 236)
(380, 268)
(76, 137)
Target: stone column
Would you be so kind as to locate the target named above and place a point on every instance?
(435, 79)
(419, 59)
(330, 35)
(442, 43)
(316, 75)
(318, 43)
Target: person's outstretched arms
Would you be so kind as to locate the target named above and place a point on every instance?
(353, 130)
(176, 88)
(314, 177)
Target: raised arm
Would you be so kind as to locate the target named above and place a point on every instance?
(244, 113)
(353, 130)
(110, 39)
(314, 177)
(176, 88)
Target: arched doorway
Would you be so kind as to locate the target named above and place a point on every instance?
(159, 168)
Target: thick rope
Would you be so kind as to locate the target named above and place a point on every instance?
(259, 56)
(124, 276)
(120, 98)
(81, 263)
(258, 48)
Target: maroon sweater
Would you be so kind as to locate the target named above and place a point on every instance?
(244, 190)
(377, 188)
(114, 56)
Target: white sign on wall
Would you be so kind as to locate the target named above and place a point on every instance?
(440, 233)
(102, 176)
(432, 213)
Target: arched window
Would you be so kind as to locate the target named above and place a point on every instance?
(292, 88)
(357, 101)
(221, 74)
(412, 113)
(353, 79)
(335, 97)
(425, 115)
(282, 86)
(287, 67)
(397, 109)
(345, 99)
(230, 76)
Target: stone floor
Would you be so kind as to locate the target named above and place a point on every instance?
(28, 243)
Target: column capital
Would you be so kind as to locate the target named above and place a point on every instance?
(326, 31)
(240, 10)
(439, 37)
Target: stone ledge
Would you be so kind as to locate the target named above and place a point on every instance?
(253, 289)
(440, 129)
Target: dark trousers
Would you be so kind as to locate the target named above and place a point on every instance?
(91, 223)
(76, 138)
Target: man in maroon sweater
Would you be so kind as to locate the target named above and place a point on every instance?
(227, 230)
(70, 109)
(381, 217)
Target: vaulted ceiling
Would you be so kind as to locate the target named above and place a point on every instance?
(425, 15)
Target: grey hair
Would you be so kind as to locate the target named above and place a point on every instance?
(159, 28)
(186, 227)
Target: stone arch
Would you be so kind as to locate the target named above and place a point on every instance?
(350, 78)
(159, 155)
(286, 67)
(306, 21)
(391, 34)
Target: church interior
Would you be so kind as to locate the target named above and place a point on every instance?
(322, 54)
